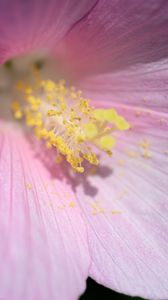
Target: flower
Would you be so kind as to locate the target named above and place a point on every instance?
(110, 223)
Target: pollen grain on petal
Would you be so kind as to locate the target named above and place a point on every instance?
(72, 204)
(29, 186)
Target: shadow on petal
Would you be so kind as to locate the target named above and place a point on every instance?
(63, 171)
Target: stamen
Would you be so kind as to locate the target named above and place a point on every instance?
(62, 117)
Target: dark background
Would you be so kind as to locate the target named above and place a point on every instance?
(97, 291)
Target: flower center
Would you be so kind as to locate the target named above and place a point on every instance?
(64, 118)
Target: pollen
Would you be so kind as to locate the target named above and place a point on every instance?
(62, 117)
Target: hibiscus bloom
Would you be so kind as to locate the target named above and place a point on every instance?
(58, 227)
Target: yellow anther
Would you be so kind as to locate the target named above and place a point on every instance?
(16, 110)
(20, 85)
(52, 113)
(121, 123)
(92, 158)
(108, 115)
(48, 85)
(109, 152)
(90, 130)
(99, 114)
(106, 142)
(48, 145)
(18, 114)
(28, 90)
(15, 105)
(79, 169)
(64, 119)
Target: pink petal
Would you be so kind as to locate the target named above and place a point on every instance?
(143, 86)
(117, 34)
(126, 208)
(28, 25)
(43, 249)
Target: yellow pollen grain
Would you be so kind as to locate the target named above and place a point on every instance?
(146, 154)
(72, 204)
(97, 208)
(116, 212)
(121, 162)
(58, 158)
(65, 120)
(131, 154)
(29, 186)
(97, 211)
(61, 207)
(145, 144)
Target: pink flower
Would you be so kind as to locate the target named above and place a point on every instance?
(56, 227)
